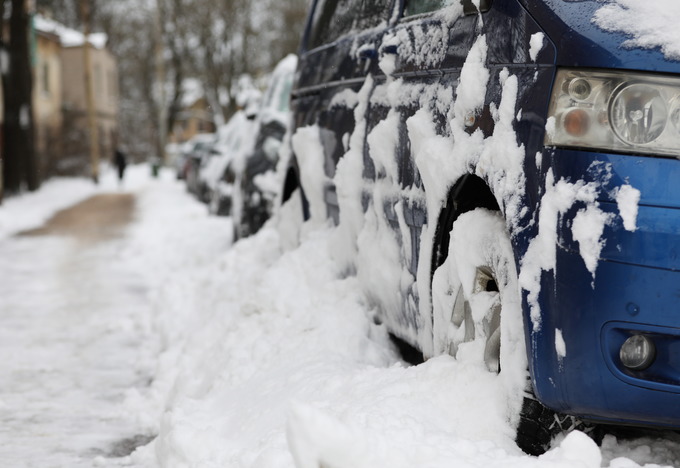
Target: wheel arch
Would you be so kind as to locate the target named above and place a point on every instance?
(290, 183)
(469, 192)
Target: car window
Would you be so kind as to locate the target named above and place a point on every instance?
(417, 7)
(284, 104)
(335, 18)
(373, 12)
(269, 97)
(278, 94)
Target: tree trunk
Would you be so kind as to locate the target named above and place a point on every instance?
(162, 114)
(89, 93)
(3, 90)
(20, 158)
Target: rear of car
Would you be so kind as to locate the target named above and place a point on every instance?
(195, 150)
(255, 172)
(234, 141)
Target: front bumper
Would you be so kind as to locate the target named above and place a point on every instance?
(636, 290)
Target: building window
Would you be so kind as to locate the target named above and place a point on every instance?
(98, 85)
(46, 78)
(112, 84)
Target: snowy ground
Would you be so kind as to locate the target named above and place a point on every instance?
(249, 355)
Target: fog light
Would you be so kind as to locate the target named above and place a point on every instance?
(637, 352)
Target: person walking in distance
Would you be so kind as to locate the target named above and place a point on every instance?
(120, 161)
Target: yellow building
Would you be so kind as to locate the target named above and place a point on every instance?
(47, 101)
(192, 120)
(66, 71)
(195, 115)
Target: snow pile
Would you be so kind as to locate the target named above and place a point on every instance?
(271, 359)
(650, 24)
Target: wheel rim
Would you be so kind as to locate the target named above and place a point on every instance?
(488, 326)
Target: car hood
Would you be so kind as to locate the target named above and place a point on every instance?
(582, 41)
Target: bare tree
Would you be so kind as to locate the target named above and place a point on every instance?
(129, 25)
(64, 11)
(85, 12)
(212, 41)
(3, 84)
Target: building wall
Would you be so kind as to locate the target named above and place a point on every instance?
(193, 120)
(47, 102)
(104, 75)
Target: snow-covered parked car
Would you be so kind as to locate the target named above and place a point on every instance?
(256, 178)
(503, 174)
(248, 185)
(194, 151)
(234, 139)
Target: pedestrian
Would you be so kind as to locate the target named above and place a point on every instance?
(120, 161)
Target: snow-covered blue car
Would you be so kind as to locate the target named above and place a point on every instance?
(504, 179)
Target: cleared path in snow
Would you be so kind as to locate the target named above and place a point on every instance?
(72, 321)
(98, 218)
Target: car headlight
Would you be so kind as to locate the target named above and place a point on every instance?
(621, 111)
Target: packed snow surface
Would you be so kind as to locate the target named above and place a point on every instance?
(245, 355)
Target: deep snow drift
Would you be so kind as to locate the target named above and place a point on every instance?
(234, 356)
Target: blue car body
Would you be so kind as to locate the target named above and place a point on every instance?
(636, 289)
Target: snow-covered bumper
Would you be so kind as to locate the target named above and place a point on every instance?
(635, 290)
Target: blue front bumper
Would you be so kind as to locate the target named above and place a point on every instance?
(636, 290)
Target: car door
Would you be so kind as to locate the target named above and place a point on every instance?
(420, 56)
(335, 61)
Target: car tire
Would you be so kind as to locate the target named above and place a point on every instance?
(476, 299)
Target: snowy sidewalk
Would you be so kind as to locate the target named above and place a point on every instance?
(72, 324)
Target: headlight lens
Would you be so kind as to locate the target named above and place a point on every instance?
(638, 114)
(631, 112)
